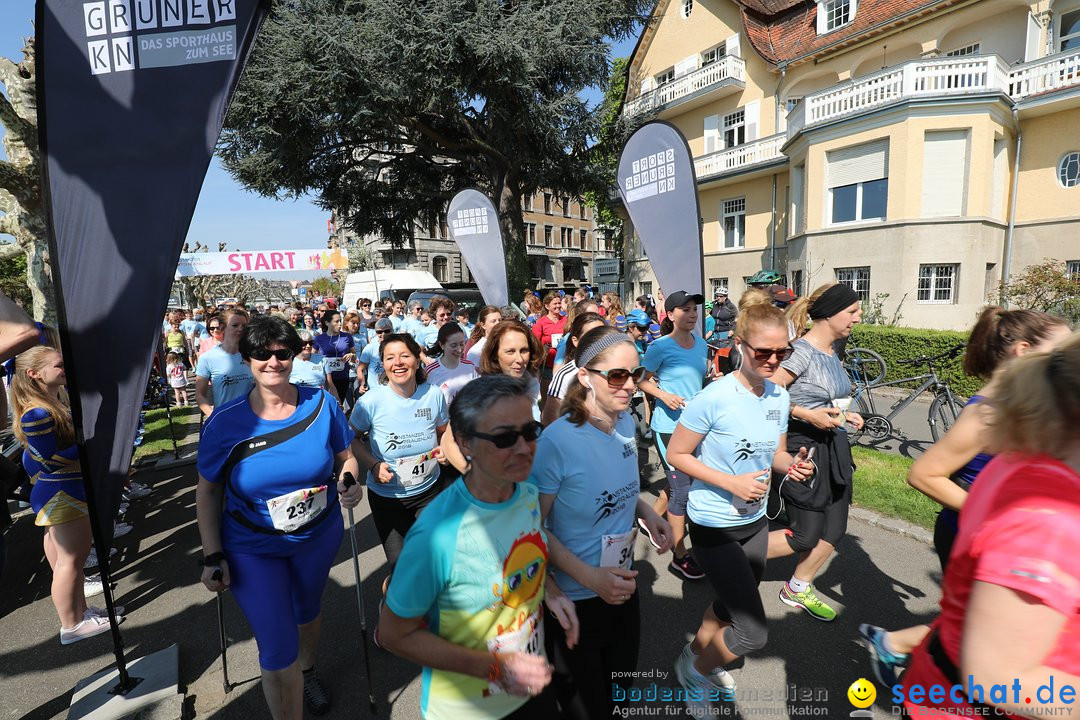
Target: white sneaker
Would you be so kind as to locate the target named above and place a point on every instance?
(718, 675)
(104, 612)
(701, 691)
(90, 626)
(121, 529)
(92, 586)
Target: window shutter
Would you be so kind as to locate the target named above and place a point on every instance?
(753, 120)
(1031, 42)
(687, 65)
(732, 47)
(821, 28)
(859, 164)
(712, 133)
(944, 173)
(648, 84)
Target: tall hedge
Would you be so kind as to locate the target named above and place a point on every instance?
(898, 343)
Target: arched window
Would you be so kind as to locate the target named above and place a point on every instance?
(1069, 170)
(439, 268)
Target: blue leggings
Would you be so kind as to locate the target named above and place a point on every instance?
(279, 592)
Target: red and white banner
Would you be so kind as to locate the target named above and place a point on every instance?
(261, 261)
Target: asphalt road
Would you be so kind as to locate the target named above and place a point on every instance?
(877, 576)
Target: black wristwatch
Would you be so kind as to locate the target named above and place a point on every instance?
(212, 560)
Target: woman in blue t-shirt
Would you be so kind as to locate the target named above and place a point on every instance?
(676, 365)
(270, 524)
(399, 424)
(731, 438)
(591, 519)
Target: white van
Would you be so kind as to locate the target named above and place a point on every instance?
(383, 283)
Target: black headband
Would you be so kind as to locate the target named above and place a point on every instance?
(832, 301)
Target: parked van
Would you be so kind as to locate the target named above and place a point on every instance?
(386, 283)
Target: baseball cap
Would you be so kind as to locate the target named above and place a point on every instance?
(680, 298)
(781, 294)
(638, 317)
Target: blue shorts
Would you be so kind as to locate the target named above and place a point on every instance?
(279, 592)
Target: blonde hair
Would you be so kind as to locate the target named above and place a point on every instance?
(1036, 403)
(28, 393)
(757, 316)
(616, 304)
(754, 296)
(798, 313)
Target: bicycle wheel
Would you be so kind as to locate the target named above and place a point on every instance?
(943, 413)
(865, 366)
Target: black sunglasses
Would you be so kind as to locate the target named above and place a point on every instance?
(214, 327)
(509, 438)
(781, 354)
(616, 377)
(263, 354)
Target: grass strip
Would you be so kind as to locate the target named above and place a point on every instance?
(881, 485)
(157, 439)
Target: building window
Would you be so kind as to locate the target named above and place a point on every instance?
(530, 233)
(665, 77)
(547, 203)
(1072, 269)
(972, 49)
(837, 13)
(715, 284)
(1069, 170)
(937, 284)
(712, 56)
(646, 289)
(528, 201)
(858, 179)
(584, 239)
(1069, 32)
(797, 282)
(687, 8)
(856, 278)
(566, 207)
(734, 223)
(582, 212)
(439, 268)
(735, 129)
(549, 235)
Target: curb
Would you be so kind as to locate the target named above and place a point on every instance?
(894, 525)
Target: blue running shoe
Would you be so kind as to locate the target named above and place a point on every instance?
(886, 663)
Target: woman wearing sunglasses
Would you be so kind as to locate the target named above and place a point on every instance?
(212, 337)
(402, 419)
(590, 517)
(311, 373)
(563, 379)
(271, 526)
(818, 512)
(465, 599)
(731, 439)
(369, 368)
(221, 374)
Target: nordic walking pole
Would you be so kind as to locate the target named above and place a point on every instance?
(349, 481)
(221, 632)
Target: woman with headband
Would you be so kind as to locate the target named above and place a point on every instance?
(818, 510)
(590, 517)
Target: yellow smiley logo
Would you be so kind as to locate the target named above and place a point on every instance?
(862, 694)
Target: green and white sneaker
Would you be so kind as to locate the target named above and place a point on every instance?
(808, 601)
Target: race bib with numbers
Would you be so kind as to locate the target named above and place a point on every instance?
(334, 364)
(618, 550)
(529, 638)
(296, 509)
(416, 469)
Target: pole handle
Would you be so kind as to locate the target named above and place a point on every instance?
(216, 576)
(348, 480)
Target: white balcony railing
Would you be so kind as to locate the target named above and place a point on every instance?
(1052, 73)
(942, 77)
(739, 157)
(726, 70)
(569, 252)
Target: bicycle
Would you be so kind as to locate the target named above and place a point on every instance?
(864, 366)
(944, 409)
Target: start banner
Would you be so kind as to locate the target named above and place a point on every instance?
(260, 261)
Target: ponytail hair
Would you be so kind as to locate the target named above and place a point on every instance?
(1036, 403)
(576, 402)
(446, 332)
(478, 329)
(798, 313)
(997, 330)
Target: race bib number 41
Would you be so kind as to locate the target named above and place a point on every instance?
(416, 469)
(296, 509)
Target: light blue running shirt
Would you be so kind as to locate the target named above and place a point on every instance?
(679, 371)
(594, 478)
(401, 428)
(742, 433)
(309, 373)
(371, 355)
(228, 375)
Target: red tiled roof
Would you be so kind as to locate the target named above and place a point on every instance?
(782, 31)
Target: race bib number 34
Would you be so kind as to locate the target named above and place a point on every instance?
(618, 550)
(296, 509)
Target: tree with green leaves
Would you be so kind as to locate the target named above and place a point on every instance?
(384, 109)
(22, 205)
(1044, 286)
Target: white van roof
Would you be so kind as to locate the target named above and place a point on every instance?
(373, 283)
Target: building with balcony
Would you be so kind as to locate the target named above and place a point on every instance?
(560, 236)
(915, 148)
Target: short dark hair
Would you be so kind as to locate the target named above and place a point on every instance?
(476, 398)
(324, 319)
(266, 329)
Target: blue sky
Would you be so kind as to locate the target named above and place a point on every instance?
(225, 211)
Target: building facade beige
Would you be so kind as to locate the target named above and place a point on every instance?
(873, 142)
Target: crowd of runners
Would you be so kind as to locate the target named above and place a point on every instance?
(501, 456)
